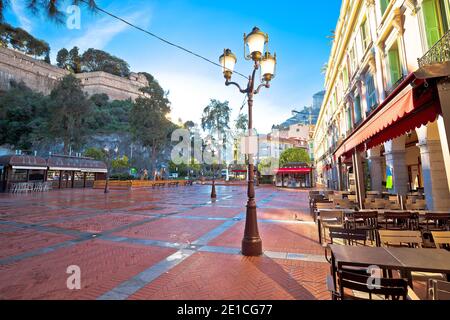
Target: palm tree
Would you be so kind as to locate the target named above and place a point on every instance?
(51, 8)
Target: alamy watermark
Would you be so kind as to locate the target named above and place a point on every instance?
(74, 280)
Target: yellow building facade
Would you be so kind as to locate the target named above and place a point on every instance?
(384, 124)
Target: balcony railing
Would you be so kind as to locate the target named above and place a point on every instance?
(439, 53)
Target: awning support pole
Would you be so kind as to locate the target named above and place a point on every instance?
(359, 178)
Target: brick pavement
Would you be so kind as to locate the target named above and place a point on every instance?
(158, 244)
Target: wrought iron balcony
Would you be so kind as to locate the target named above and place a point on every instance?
(439, 53)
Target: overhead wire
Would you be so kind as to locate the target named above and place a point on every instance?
(96, 7)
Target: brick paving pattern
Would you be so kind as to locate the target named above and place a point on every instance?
(158, 244)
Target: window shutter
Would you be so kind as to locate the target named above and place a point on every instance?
(394, 66)
(384, 4)
(431, 18)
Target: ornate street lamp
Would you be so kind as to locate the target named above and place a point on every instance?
(256, 42)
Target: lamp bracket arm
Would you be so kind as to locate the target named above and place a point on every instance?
(262, 85)
(229, 83)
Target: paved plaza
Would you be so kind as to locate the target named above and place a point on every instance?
(158, 244)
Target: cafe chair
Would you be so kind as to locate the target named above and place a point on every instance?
(331, 219)
(438, 290)
(398, 220)
(436, 221)
(400, 238)
(367, 221)
(441, 239)
(384, 288)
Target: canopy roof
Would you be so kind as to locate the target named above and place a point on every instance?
(23, 162)
(412, 104)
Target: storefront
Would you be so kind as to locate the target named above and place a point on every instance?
(21, 169)
(74, 172)
(294, 175)
(60, 171)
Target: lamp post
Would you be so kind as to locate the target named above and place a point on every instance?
(256, 42)
(107, 169)
(213, 189)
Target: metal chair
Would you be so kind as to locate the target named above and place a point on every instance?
(367, 221)
(400, 238)
(438, 290)
(394, 289)
(441, 239)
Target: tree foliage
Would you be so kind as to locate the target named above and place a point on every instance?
(148, 122)
(241, 123)
(52, 9)
(69, 110)
(96, 153)
(21, 116)
(120, 163)
(98, 60)
(294, 155)
(21, 40)
(216, 117)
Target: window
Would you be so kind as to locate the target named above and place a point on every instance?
(349, 119)
(345, 78)
(436, 18)
(384, 4)
(371, 95)
(352, 60)
(357, 109)
(19, 175)
(395, 71)
(365, 34)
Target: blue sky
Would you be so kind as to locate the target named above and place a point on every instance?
(298, 33)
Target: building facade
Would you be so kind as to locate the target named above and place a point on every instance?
(384, 124)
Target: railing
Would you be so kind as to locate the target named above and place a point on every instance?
(439, 53)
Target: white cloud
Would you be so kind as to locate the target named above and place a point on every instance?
(100, 33)
(18, 7)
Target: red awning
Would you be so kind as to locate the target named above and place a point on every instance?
(293, 170)
(404, 110)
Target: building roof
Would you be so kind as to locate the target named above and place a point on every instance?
(23, 161)
(53, 163)
(75, 163)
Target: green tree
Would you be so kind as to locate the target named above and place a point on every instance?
(75, 60)
(68, 113)
(21, 40)
(266, 166)
(294, 155)
(62, 58)
(241, 123)
(96, 153)
(98, 60)
(52, 9)
(216, 119)
(120, 163)
(22, 113)
(148, 122)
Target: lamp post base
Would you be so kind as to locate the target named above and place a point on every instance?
(252, 243)
(213, 191)
(252, 247)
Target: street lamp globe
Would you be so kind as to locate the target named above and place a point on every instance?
(268, 65)
(228, 61)
(255, 42)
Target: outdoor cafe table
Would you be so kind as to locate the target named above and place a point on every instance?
(405, 260)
